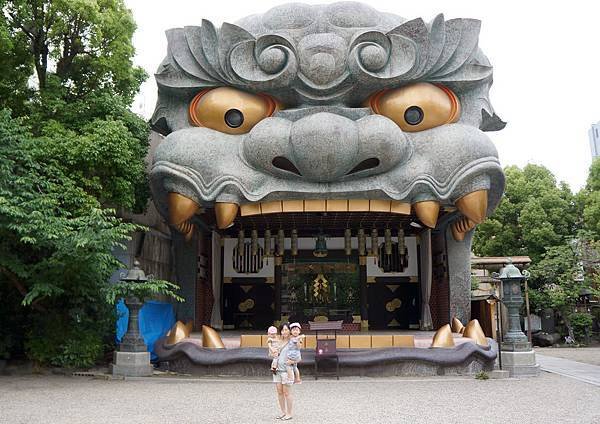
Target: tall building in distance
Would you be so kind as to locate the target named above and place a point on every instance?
(594, 134)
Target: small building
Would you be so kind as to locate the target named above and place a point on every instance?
(483, 307)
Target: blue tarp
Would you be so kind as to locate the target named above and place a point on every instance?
(156, 319)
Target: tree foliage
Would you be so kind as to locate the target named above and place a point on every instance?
(88, 42)
(559, 231)
(16, 66)
(141, 290)
(103, 155)
(534, 213)
(554, 278)
(589, 201)
(56, 240)
(71, 153)
(560, 278)
(81, 52)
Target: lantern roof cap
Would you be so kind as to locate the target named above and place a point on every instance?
(135, 273)
(510, 271)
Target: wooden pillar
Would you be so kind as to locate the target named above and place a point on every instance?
(277, 281)
(204, 298)
(364, 306)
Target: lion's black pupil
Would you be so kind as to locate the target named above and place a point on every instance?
(234, 118)
(413, 115)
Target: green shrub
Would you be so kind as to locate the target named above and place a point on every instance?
(581, 323)
(75, 339)
(482, 375)
(77, 350)
(80, 351)
(43, 340)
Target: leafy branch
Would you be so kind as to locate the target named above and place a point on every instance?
(141, 290)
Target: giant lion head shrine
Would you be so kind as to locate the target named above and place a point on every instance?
(327, 164)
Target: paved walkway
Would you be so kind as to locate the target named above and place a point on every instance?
(587, 355)
(565, 367)
(449, 400)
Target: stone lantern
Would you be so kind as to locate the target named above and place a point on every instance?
(132, 357)
(517, 356)
(511, 279)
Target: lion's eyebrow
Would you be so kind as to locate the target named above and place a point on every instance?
(198, 57)
(201, 56)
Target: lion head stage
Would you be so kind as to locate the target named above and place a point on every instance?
(317, 108)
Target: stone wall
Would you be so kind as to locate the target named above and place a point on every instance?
(459, 275)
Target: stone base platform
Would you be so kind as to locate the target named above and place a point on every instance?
(131, 364)
(520, 364)
(464, 359)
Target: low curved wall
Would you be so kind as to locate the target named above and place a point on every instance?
(464, 359)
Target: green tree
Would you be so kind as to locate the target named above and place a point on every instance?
(71, 154)
(55, 246)
(589, 201)
(16, 66)
(559, 279)
(105, 156)
(535, 213)
(81, 52)
(88, 41)
(558, 230)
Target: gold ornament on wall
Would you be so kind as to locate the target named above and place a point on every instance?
(246, 305)
(321, 289)
(392, 305)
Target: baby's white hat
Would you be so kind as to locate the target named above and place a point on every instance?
(272, 330)
(295, 324)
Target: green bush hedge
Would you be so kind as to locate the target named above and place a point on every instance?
(582, 325)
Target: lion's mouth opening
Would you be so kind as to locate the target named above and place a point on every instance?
(332, 216)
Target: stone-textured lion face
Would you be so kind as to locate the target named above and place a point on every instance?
(329, 102)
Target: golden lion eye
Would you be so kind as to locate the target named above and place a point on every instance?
(417, 107)
(229, 110)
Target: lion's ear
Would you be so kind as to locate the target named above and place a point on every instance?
(491, 122)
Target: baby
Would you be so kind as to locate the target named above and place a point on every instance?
(293, 355)
(273, 344)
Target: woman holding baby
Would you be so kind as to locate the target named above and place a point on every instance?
(284, 372)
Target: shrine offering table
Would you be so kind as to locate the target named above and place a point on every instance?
(326, 348)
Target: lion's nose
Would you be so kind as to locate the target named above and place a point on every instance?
(325, 146)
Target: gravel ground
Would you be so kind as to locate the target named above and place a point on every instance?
(587, 355)
(56, 399)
